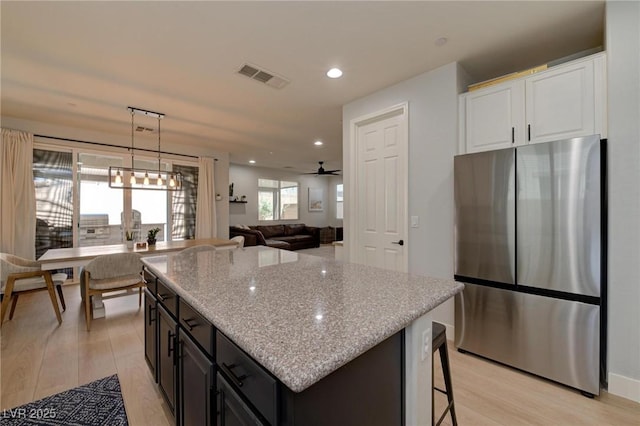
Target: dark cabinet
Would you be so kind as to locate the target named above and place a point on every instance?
(255, 384)
(232, 410)
(166, 356)
(195, 384)
(207, 379)
(150, 332)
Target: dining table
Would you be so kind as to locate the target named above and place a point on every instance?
(71, 257)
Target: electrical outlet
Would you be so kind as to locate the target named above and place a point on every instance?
(426, 344)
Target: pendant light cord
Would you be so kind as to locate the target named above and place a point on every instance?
(132, 114)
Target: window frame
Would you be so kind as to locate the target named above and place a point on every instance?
(277, 196)
(339, 201)
(127, 193)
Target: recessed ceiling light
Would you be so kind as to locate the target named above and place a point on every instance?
(334, 73)
(252, 161)
(318, 143)
(440, 41)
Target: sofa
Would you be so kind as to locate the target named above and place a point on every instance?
(289, 237)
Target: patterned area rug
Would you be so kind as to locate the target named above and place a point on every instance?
(94, 404)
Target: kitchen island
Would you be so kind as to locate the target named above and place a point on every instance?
(287, 338)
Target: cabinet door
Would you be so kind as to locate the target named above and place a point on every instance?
(232, 410)
(494, 117)
(166, 356)
(195, 384)
(150, 332)
(560, 103)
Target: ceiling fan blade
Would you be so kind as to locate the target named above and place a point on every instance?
(331, 171)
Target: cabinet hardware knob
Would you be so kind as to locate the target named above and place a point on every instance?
(235, 379)
(188, 323)
(152, 318)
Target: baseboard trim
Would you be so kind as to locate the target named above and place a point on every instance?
(625, 387)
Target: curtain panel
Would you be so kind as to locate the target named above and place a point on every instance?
(17, 194)
(206, 205)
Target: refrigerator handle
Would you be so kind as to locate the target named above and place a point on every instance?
(529, 132)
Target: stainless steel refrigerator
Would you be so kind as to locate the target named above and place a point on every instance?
(531, 249)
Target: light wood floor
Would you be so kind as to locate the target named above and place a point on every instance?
(39, 358)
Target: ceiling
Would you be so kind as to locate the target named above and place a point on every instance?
(80, 64)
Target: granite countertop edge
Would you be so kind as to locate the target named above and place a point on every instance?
(298, 381)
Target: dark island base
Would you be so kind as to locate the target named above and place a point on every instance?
(367, 391)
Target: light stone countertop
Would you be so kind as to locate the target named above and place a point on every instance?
(299, 316)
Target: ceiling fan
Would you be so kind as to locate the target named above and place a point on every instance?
(321, 171)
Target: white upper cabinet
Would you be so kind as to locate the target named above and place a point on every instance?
(495, 116)
(562, 102)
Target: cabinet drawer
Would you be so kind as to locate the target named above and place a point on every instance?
(249, 378)
(197, 327)
(167, 298)
(151, 282)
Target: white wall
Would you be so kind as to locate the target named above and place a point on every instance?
(623, 68)
(221, 166)
(433, 141)
(245, 180)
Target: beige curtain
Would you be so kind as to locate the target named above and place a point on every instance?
(206, 205)
(17, 194)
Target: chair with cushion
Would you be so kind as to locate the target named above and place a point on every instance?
(239, 239)
(195, 249)
(110, 273)
(19, 275)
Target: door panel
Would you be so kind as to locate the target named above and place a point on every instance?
(196, 375)
(166, 357)
(560, 103)
(495, 117)
(484, 191)
(558, 203)
(381, 200)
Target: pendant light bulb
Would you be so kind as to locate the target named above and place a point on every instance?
(132, 179)
(146, 178)
(159, 180)
(172, 182)
(118, 178)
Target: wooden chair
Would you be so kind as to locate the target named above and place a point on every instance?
(19, 275)
(110, 273)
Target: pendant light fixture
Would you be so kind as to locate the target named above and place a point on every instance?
(139, 178)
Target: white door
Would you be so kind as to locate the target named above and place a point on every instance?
(381, 175)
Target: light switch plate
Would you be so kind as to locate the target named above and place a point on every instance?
(415, 221)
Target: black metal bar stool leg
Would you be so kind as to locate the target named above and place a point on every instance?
(439, 343)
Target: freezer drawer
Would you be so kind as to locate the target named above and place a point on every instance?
(553, 338)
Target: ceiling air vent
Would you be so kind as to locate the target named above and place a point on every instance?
(263, 76)
(143, 129)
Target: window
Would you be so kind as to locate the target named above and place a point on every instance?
(339, 201)
(75, 207)
(277, 200)
(53, 179)
(183, 204)
(101, 207)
